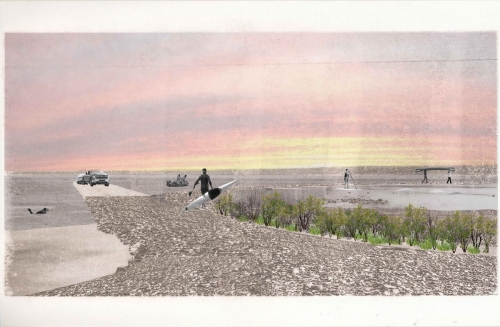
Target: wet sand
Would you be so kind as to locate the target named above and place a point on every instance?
(47, 258)
(62, 247)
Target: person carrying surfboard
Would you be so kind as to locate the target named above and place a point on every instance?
(205, 181)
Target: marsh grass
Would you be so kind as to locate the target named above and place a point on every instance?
(473, 250)
(242, 218)
(376, 239)
(260, 220)
(314, 230)
(290, 228)
(425, 245)
(443, 247)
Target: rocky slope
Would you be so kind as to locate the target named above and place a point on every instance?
(202, 253)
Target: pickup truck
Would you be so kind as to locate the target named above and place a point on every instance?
(93, 177)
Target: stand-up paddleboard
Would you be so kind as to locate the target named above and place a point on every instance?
(208, 196)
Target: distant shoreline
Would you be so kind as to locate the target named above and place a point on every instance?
(362, 170)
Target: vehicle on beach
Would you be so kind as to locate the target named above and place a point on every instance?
(177, 183)
(93, 177)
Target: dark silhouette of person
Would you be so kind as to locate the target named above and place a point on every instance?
(449, 177)
(425, 176)
(346, 178)
(205, 181)
(41, 212)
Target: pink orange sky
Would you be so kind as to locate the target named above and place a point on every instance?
(249, 101)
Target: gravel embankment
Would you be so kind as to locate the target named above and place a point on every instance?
(202, 253)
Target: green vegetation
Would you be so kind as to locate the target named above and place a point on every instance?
(306, 211)
(473, 250)
(416, 227)
(314, 230)
(489, 233)
(426, 245)
(273, 208)
(242, 218)
(225, 205)
(414, 224)
(260, 220)
(376, 240)
(444, 247)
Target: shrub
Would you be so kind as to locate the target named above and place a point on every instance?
(414, 224)
(226, 206)
(465, 230)
(305, 211)
(273, 207)
(432, 231)
(352, 221)
(477, 231)
(378, 226)
(449, 230)
(285, 216)
(392, 229)
(339, 219)
(251, 207)
(324, 222)
(366, 223)
(489, 233)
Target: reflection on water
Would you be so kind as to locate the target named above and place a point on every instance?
(456, 198)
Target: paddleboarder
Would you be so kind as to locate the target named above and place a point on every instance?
(205, 181)
(346, 178)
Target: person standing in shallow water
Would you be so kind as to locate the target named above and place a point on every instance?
(449, 177)
(425, 176)
(346, 179)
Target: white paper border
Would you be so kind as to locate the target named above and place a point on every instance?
(224, 17)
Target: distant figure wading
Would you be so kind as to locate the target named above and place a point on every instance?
(425, 177)
(346, 178)
(205, 180)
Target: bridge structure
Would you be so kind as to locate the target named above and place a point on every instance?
(425, 169)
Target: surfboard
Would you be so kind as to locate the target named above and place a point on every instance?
(208, 196)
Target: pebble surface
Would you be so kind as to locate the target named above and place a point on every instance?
(201, 253)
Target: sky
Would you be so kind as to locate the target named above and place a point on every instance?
(248, 100)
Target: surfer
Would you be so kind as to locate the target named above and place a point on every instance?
(346, 178)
